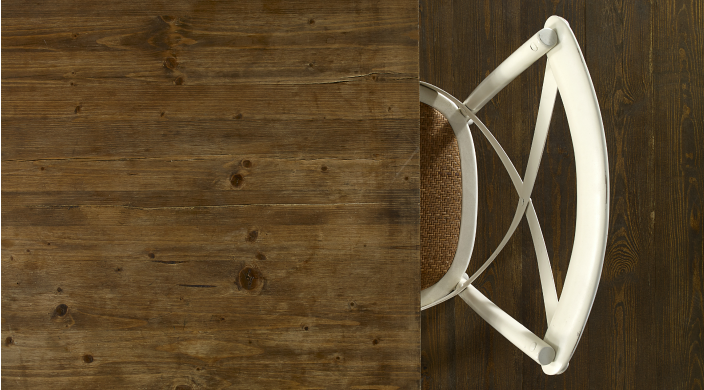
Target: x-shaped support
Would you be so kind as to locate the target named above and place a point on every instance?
(524, 188)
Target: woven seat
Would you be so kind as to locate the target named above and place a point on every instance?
(440, 195)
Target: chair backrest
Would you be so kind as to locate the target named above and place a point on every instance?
(566, 73)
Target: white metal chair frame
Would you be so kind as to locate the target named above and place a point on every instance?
(566, 72)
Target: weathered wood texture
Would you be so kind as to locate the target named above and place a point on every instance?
(202, 195)
(646, 60)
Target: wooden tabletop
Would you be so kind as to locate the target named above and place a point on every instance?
(210, 195)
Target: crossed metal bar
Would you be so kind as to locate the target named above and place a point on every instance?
(524, 188)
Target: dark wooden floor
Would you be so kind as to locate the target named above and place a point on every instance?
(646, 60)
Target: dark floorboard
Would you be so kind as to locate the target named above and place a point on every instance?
(647, 63)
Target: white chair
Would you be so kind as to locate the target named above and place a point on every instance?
(567, 73)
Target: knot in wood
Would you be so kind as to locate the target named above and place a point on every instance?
(250, 278)
(60, 310)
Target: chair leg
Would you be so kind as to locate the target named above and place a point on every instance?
(517, 334)
(515, 64)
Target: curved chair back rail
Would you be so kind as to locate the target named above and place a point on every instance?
(591, 159)
(443, 102)
(566, 72)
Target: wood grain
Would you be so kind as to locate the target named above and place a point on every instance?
(210, 196)
(678, 71)
(645, 59)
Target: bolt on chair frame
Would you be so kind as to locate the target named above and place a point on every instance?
(566, 72)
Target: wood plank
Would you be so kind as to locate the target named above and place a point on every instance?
(104, 103)
(209, 49)
(619, 50)
(220, 176)
(238, 136)
(503, 282)
(314, 65)
(272, 13)
(678, 75)
(495, 35)
(210, 195)
(438, 365)
(437, 67)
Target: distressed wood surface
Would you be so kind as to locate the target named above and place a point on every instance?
(645, 328)
(208, 195)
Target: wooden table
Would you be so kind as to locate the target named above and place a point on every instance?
(210, 195)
